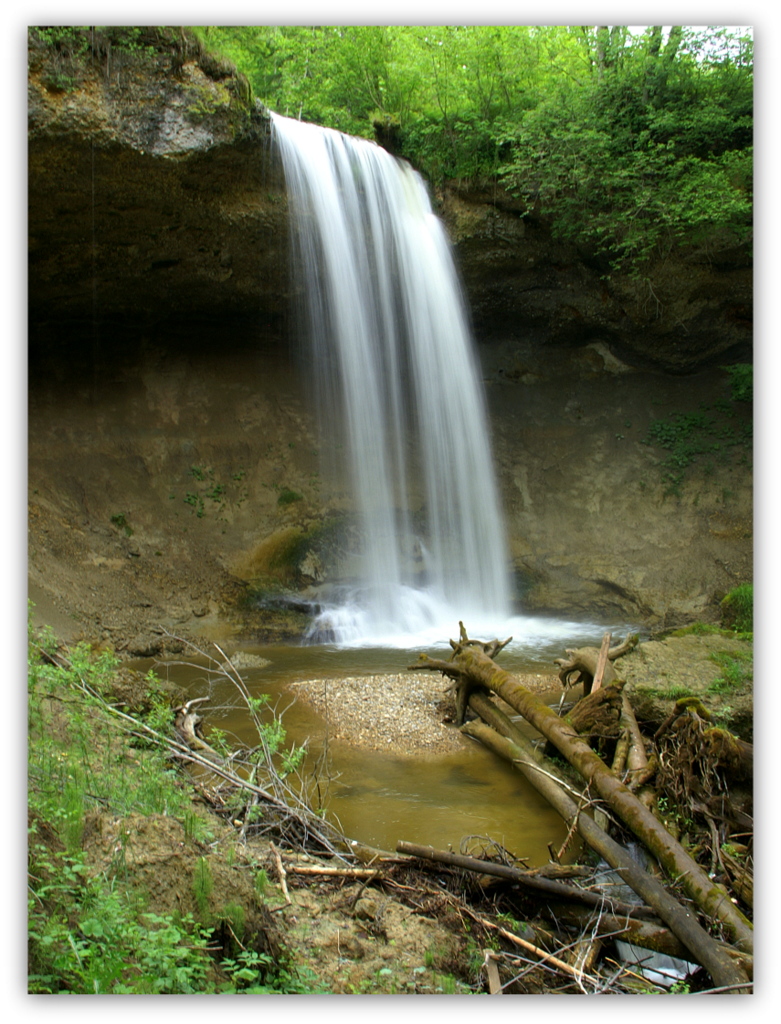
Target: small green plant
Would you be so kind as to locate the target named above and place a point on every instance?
(220, 496)
(733, 851)
(741, 381)
(218, 739)
(120, 521)
(287, 497)
(234, 915)
(680, 988)
(254, 973)
(195, 501)
(737, 672)
(215, 493)
(737, 608)
(203, 885)
(261, 883)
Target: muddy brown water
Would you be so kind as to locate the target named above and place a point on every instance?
(375, 797)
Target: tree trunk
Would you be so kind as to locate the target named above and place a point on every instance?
(639, 931)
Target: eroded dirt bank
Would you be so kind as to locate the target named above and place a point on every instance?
(177, 482)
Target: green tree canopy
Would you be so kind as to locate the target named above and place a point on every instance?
(627, 142)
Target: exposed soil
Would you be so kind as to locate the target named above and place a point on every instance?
(125, 538)
(354, 939)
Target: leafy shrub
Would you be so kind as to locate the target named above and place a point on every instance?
(742, 381)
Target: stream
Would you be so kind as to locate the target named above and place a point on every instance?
(379, 798)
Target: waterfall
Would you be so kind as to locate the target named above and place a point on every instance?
(398, 383)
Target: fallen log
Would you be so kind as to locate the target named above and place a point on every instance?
(526, 880)
(648, 934)
(471, 668)
(651, 935)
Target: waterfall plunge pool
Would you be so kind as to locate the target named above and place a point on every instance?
(378, 798)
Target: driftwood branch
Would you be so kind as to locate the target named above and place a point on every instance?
(316, 869)
(601, 662)
(492, 972)
(527, 880)
(542, 954)
(281, 873)
(588, 664)
(188, 726)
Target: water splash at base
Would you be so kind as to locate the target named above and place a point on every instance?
(423, 621)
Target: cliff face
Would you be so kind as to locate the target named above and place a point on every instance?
(152, 196)
(159, 298)
(686, 311)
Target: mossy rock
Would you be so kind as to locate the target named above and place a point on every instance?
(715, 667)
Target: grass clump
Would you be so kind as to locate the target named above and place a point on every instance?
(672, 692)
(288, 497)
(737, 609)
(737, 672)
(697, 629)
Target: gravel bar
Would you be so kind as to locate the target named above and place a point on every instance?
(401, 713)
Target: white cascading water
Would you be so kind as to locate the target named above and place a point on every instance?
(393, 359)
